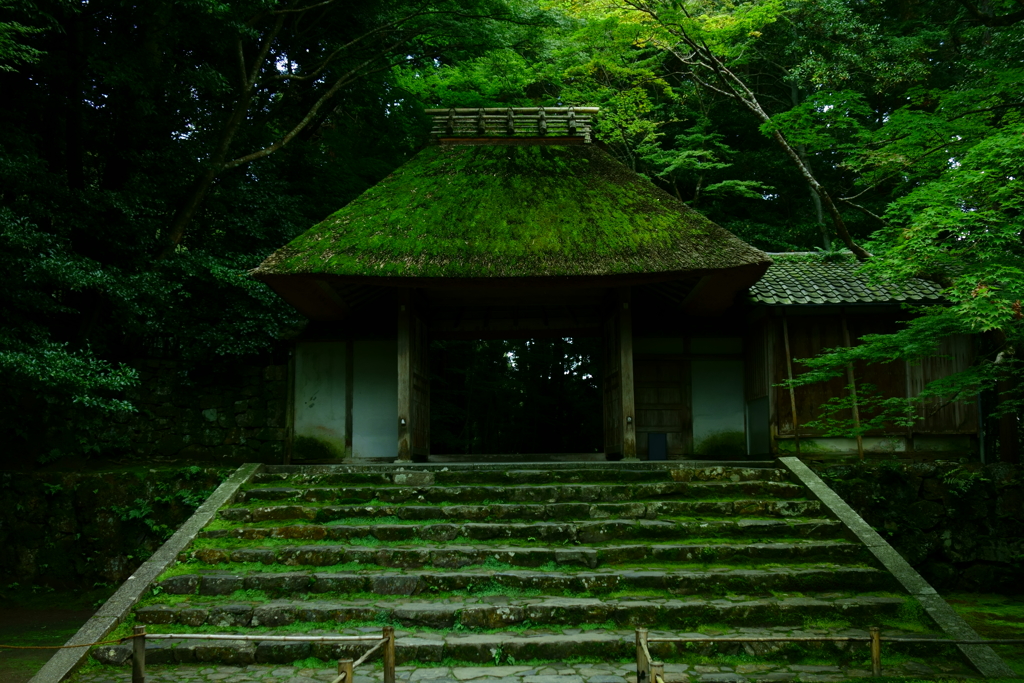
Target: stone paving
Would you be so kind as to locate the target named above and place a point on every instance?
(551, 673)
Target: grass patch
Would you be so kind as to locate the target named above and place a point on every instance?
(910, 617)
(606, 626)
(826, 624)
(314, 663)
(995, 616)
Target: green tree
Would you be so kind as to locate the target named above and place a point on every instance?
(152, 153)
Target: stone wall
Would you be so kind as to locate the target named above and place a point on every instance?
(74, 530)
(960, 525)
(230, 413)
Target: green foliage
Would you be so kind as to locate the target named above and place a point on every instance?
(312, 663)
(13, 34)
(165, 494)
(874, 412)
(119, 116)
(961, 480)
(58, 385)
(114, 119)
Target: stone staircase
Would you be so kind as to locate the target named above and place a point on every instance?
(506, 563)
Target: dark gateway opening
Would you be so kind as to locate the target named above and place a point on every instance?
(515, 396)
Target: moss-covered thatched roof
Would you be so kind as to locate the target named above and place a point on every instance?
(470, 211)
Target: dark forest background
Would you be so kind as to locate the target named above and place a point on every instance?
(151, 153)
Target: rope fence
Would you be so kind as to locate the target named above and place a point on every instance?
(345, 666)
(64, 647)
(650, 671)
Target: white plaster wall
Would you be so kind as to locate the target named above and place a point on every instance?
(843, 445)
(717, 388)
(320, 392)
(758, 434)
(375, 399)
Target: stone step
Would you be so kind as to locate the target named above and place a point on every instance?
(458, 556)
(714, 582)
(504, 648)
(528, 512)
(501, 612)
(603, 531)
(564, 493)
(342, 475)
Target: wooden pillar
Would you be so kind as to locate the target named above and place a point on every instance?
(852, 383)
(405, 325)
(389, 654)
(643, 657)
(139, 655)
(413, 380)
(876, 650)
(350, 392)
(617, 380)
(625, 331)
(289, 408)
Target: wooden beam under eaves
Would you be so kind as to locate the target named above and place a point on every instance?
(312, 297)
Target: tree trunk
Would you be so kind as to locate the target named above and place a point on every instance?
(187, 210)
(819, 214)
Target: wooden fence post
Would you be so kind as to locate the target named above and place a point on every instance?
(389, 655)
(345, 667)
(643, 657)
(139, 655)
(657, 672)
(876, 650)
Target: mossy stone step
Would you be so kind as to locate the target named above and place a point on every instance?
(528, 512)
(458, 556)
(588, 532)
(739, 580)
(522, 475)
(555, 493)
(469, 613)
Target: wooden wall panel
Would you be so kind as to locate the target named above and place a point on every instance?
(807, 336)
(889, 379)
(756, 361)
(662, 394)
(413, 380)
(420, 389)
(939, 416)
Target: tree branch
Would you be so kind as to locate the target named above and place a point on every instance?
(985, 109)
(990, 20)
(301, 9)
(863, 210)
(346, 78)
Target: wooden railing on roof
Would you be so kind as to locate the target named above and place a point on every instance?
(513, 122)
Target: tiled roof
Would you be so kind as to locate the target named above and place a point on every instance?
(795, 279)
